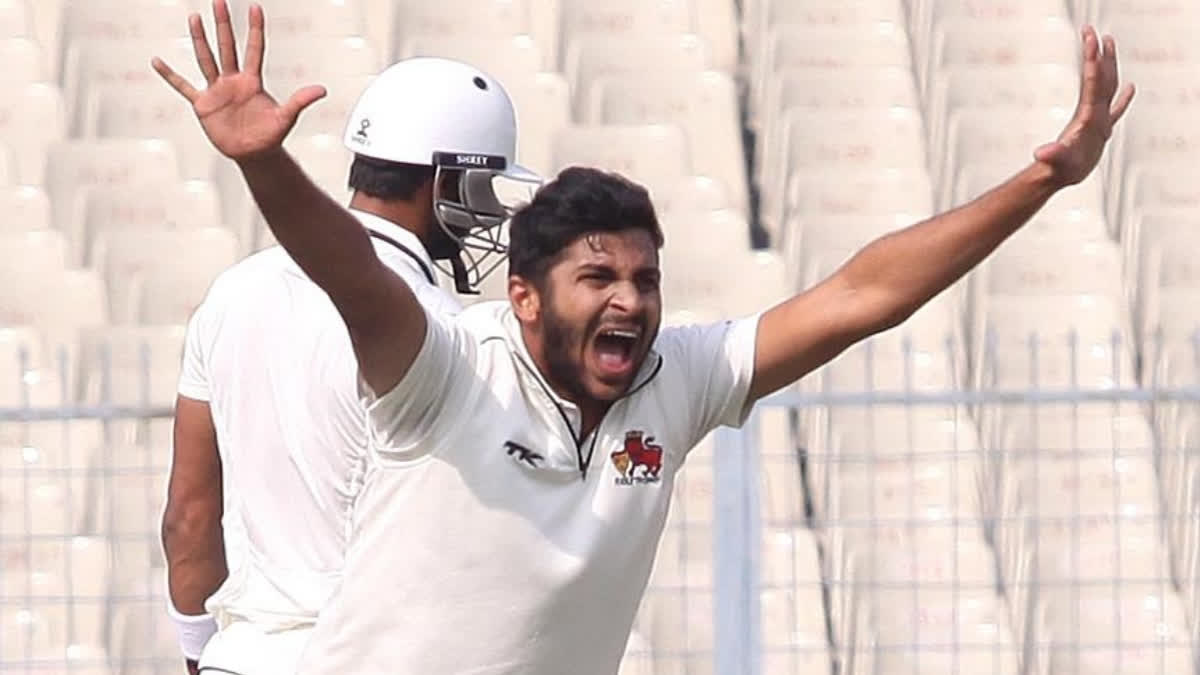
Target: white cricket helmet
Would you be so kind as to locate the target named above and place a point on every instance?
(460, 120)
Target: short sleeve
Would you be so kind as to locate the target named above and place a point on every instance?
(717, 362)
(193, 377)
(432, 393)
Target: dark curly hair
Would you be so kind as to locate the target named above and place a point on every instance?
(580, 201)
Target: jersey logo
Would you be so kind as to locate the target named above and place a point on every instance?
(640, 452)
(522, 453)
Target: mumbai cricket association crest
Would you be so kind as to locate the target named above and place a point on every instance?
(639, 462)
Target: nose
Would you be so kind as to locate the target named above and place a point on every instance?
(626, 298)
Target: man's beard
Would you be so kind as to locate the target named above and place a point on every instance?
(559, 338)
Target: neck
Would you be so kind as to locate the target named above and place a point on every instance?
(403, 214)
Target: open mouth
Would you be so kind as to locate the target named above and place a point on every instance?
(614, 350)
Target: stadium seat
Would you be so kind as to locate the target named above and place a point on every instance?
(462, 18)
(304, 19)
(149, 110)
(833, 90)
(704, 104)
(589, 58)
(622, 20)
(1152, 185)
(96, 63)
(816, 142)
(507, 58)
(25, 208)
(690, 194)
(880, 44)
(793, 626)
(1026, 87)
(34, 249)
(31, 119)
(543, 103)
(181, 206)
(655, 155)
(130, 365)
(16, 19)
(1003, 138)
(967, 42)
(134, 259)
(73, 166)
(331, 62)
(24, 62)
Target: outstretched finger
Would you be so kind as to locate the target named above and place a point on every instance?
(255, 41)
(226, 43)
(204, 55)
(1112, 75)
(302, 99)
(1089, 90)
(1122, 104)
(177, 81)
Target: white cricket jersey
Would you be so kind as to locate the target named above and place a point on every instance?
(271, 355)
(480, 545)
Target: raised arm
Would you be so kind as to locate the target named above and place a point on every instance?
(385, 321)
(885, 282)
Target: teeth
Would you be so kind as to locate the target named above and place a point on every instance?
(622, 334)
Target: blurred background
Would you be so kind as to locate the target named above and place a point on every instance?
(1008, 483)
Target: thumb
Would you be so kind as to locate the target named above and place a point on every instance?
(1049, 153)
(300, 100)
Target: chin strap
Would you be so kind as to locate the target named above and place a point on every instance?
(462, 283)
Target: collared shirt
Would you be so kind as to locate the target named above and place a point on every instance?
(269, 352)
(482, 546)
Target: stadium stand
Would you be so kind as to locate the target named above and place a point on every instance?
(1026, 501)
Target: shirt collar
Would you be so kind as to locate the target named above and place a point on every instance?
(393, 231)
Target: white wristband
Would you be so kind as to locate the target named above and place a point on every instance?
(194, 631)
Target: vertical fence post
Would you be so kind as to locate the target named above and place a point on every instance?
(736, 543)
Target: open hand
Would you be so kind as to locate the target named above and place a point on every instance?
(241, 119)
(1078, 149)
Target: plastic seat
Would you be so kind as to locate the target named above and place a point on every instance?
(653, 154)
(32, 118)
(150, 110)
(813, 142)
(73, 166)
(543, 103)
(880, 44)
(624, 19)
(589, 58)
(95, 63)
(328, 61)
(131, 364)
(24, 63)
(1027, 87)
(134, 258)
(25, 208)
(1031, 41)
(304, 19)
(832, 90)
(35, 249)
(704, 104)
(1150, 186)
(507, 58)
(182, 206)
(974, 137)
(489, 18)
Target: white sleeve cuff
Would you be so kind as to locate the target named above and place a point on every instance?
(194, 631)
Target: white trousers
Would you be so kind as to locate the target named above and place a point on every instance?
(245, 649)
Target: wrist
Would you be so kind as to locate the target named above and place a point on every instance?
(264, 160)
(1042, 178)
(193, 631)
